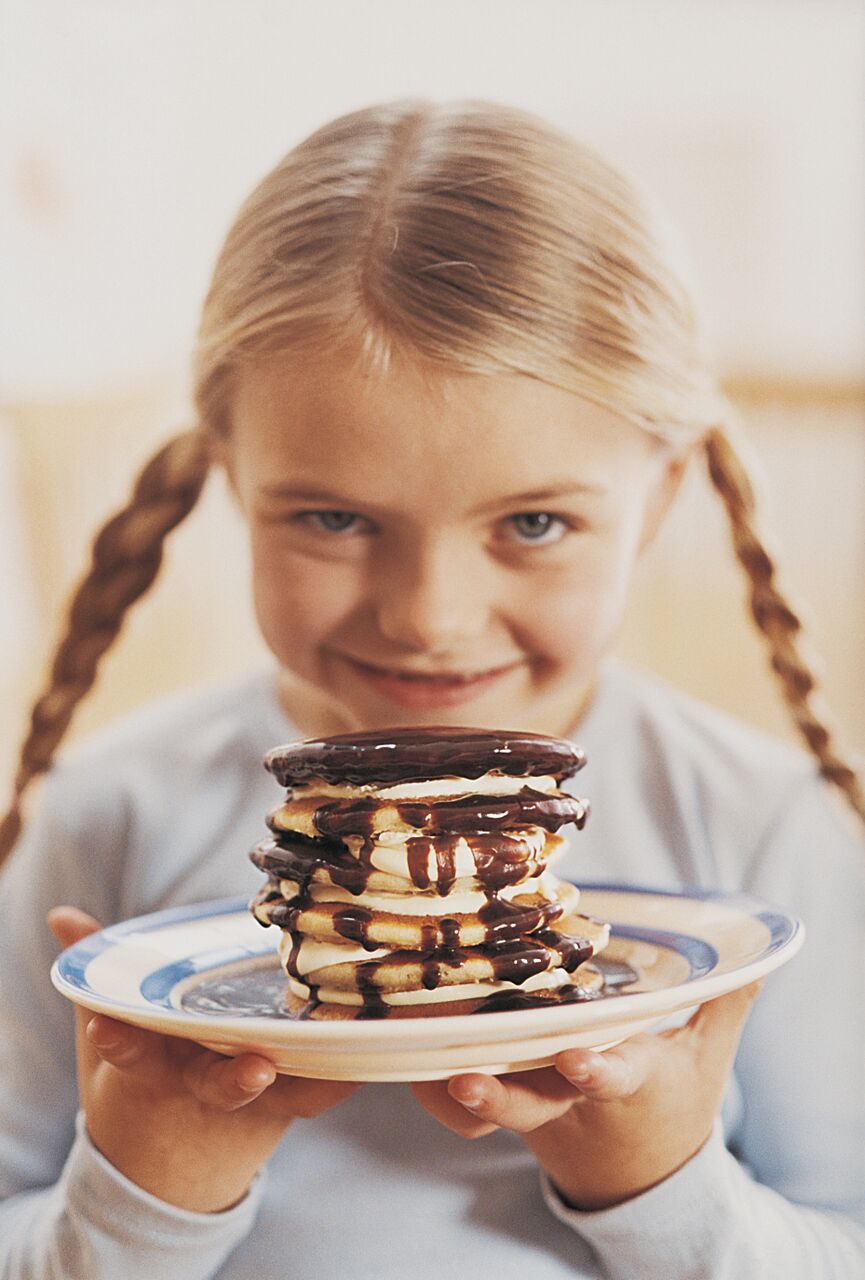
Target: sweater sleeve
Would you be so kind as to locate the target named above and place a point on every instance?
(66, 1212)
(791, 1202)
(711, 1221)
(95, 1223)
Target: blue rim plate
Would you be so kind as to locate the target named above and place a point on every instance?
(686, 947)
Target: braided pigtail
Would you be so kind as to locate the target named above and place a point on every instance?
(127, 553)
(775, 618)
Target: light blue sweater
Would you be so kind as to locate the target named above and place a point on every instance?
(161, 809)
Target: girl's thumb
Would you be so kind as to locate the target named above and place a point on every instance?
(71, 924)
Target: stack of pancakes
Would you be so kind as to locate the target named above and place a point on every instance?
(409, 872)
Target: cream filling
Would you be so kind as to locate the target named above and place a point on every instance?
(426, 904)
(489, 784)
(312, 954)
(390, 853)
(554, 978)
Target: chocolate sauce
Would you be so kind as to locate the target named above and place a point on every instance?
(389, 756)
(500, 859)
(510, 862)
(501, 1001)
(353, 923)
(246, 992)
(259, 992)
(449, 928)
(443, 850)
(472, 814)
(502, 919)
(296, 857)
(511, 960)
(311, 1005)
(285, 914)
(418, 850)
(373, 1006)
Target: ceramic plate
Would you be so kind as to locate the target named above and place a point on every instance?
(210, 973)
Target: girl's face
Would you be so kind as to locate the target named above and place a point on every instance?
(436, 548)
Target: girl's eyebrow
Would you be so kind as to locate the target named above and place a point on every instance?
(533, 497)
(526, 501)
(301, 494)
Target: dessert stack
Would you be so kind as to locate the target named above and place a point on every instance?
(409, 872)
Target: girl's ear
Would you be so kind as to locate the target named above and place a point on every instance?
(664, 490)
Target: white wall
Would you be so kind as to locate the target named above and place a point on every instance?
(132, 129)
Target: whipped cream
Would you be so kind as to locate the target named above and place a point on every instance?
(427, 904)
(551, 980)
(489, 784)
(390, 853)
(312, 954)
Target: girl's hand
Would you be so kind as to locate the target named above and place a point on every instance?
(607, 1126)
(188, 1125)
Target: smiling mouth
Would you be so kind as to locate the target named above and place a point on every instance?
(429, 689)
(435, 677)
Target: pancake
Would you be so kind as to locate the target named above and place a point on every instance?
(587, 984)
(411, 755)
(444, 865)
(470, 814)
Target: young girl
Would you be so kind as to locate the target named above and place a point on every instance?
(454, 387)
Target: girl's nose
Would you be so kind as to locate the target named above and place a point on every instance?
(431, 603)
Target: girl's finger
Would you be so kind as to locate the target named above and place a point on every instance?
(296, 1097)
(227, 1083)
(716, 1027)
(435, 1097)
(132, 1050)
(71, 924)
(520, 1102)
(612, 1075)
(724, 1017)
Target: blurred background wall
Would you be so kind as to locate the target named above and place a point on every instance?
(130, 133)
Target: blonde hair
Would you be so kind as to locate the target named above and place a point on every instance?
(471, 235)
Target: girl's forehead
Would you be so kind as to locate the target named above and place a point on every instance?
(332, 417)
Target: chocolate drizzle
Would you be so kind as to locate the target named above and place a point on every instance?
(466, 814)
(297, 857)
(419, 849)
(373, 1006)
(353, 923)
(389, 756)
(500, 859)
(501, 1001)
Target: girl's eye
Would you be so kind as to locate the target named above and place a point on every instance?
(334, 521)
(538, 527)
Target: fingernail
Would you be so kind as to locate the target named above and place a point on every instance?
(472, 1100)
(106, 1040)
(251, 1080)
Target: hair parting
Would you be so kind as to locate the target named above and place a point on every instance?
(776, 619)
(126, 556)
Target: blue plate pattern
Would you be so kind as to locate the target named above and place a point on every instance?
(158, 986)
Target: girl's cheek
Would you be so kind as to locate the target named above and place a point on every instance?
(299, 602)
(575, 616)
